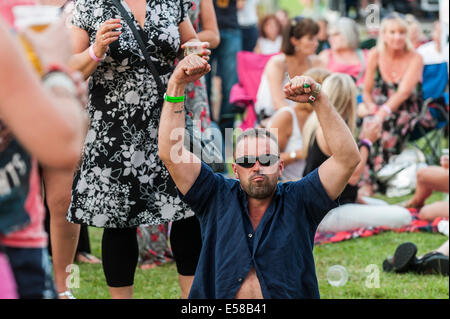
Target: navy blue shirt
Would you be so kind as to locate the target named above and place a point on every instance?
(226, 13)
(280, 249)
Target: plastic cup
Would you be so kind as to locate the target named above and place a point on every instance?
(193, 48)
(337, 275)
(36, 18)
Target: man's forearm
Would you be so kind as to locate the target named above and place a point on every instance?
(336, 132)
(172, 118)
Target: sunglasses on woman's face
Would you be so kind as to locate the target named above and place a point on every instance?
(264, 160)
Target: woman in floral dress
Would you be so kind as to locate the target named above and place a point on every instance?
(393, 93)
(121, 183)
(185, 236)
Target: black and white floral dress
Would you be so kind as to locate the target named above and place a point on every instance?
(121, 181)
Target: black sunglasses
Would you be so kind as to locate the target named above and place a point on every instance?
(264, 160)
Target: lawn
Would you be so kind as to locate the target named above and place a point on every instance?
(355, 255)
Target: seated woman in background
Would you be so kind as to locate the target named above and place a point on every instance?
(393, 92)
(269, 41)
(430, 179)
(287, 124)
(415, 32)
(344, 55)
(341, 91)
(298, 47)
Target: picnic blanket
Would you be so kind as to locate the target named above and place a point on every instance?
(417, 225)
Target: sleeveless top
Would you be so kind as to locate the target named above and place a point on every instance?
(264, 102)
(294, 171)
(315, 158)
(356, 71)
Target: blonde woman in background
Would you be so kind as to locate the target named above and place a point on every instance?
(393, 92)
(341, 91)
(287, 124)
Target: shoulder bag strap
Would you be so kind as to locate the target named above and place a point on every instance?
(141, 44)
(182, 9)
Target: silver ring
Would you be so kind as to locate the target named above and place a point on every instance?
(103, 36)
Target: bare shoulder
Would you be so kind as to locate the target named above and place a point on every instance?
(372, 58)
(277, 60)
(275, 65)
(415, 57)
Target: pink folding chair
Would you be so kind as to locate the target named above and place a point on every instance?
(250, 67)
(8, 285)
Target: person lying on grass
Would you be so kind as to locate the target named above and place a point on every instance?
(258, 235)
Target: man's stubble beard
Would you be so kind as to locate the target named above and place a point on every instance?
(260, 190)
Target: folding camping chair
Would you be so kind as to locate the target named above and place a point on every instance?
(435, 84)
(250, 67)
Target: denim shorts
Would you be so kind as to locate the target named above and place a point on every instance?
(32, 271)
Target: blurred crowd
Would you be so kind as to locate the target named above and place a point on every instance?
(80, 104)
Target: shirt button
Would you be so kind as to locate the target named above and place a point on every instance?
(240, 279)
(250, 235)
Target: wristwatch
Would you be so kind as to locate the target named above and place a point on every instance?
(293, 155)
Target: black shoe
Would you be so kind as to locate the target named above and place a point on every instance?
(387, 265)
(433, 263)
(404, 259)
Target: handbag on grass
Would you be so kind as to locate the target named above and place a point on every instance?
(207, 150)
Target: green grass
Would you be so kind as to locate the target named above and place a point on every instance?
(355, 255)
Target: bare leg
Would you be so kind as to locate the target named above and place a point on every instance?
(429, 179)
(64, 235)
(434, 210)
(185, 285)
(121, 292)
(443, 249)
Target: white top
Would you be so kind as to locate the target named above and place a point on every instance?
(293, 171)
(264, 101)
(248, 15)
(264, 97)
(268, 46)
(430, 54)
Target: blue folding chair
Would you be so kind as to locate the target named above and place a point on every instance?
(435, 94)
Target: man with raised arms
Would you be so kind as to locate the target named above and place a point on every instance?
(258, 234)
